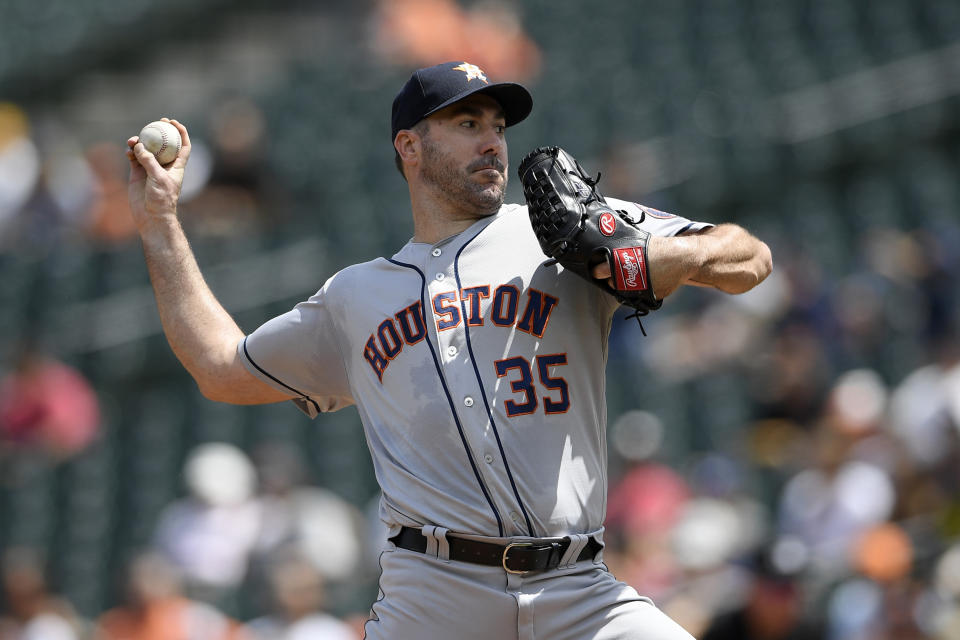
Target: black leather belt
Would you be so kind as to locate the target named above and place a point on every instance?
(514, 557)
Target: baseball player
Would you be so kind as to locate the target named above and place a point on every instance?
(477, 367)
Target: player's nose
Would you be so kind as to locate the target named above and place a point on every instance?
(492, 143)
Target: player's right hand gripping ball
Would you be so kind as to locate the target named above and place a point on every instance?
(162, 139)
(577, 228)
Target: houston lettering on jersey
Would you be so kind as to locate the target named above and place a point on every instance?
(408, 326)
(384, 344)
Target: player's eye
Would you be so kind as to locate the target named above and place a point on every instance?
(501, 128)
(468, 124)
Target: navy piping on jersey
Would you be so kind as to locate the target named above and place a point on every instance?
(684, 230)
(453, 410)
(374, 616)
(483, 391)
(280, 382)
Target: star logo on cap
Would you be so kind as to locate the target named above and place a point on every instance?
(472, 71)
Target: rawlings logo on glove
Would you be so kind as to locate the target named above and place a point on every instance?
(577, 228)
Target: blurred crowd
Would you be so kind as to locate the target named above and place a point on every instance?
(247, 554)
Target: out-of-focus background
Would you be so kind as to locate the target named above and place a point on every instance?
(783, 464)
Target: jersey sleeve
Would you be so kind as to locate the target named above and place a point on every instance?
(299, 352)
(659, 223)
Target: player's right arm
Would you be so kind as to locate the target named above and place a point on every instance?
(200, 331)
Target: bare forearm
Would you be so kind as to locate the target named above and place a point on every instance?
(200, 331)
(732, 260)
(725, 257)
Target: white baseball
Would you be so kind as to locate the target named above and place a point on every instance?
(162, 139)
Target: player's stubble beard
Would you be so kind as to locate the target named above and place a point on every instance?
(477, 199)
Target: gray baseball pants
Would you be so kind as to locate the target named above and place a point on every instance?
(425, 597)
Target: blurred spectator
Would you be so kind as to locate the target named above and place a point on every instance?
(19, 165)
(792, 375)
(882, 600)
(857, 404)
(883, 553)
(489, 35)
(47, 405)
(209, 534)
(238, 129)
(687, 346)
(642, 510)
(828, 507)
(109, 219)
(69, 182)
(851, 487)
(32, 612)
(944, 614)
(318, 525)
(925, 408)
(297, 596)
(229, 189)
(773, 606)
(156, 609)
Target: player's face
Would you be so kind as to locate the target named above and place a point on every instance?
(465, 154)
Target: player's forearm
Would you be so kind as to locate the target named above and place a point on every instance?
(725, 257)
(730, 259)
(200, 331)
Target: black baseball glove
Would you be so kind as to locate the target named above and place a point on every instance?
(577, 228)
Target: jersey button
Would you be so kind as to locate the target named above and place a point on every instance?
(451, 351)
(436, 253)
(439, 276)
(468, 401)
(488, 458)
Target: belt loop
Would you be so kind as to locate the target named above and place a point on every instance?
(443, 545)
(429, 532)
(577, 542)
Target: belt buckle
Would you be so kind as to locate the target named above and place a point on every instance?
(503, 560)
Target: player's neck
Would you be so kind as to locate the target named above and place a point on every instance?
(433, 231)
(435, 219)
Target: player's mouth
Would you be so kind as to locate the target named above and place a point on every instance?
(490, 172)
(488, 166)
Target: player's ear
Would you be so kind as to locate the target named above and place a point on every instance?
(407, 144)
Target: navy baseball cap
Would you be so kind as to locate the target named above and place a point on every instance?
(433, 88)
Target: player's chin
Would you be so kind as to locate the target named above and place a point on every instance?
(489, 199)
(493, 193)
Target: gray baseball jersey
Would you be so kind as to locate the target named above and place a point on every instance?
(478, 372)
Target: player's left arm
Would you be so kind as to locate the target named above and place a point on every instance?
(726, 257)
